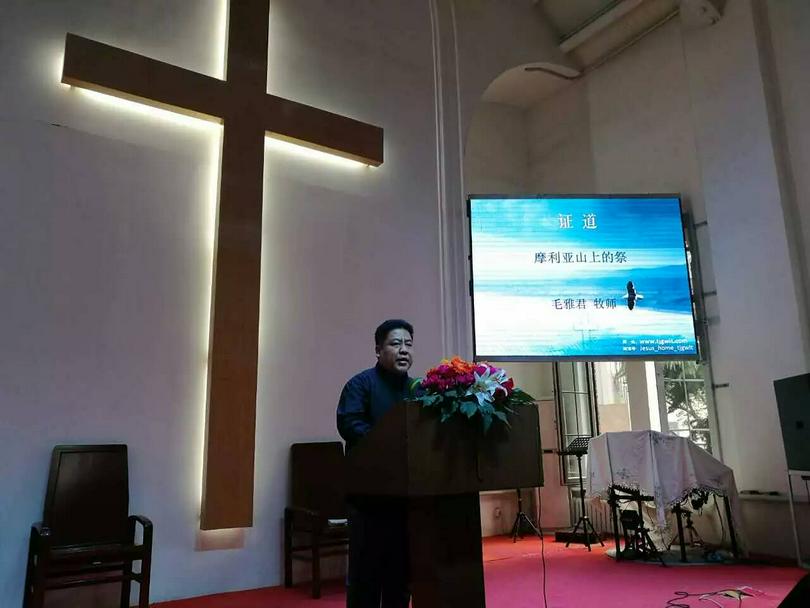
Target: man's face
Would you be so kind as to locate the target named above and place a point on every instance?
(395, 353)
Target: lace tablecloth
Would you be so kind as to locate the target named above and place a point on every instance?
(667, 467)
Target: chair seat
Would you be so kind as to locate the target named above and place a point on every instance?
(341, 522)
(82, 578)
(336, 530)
(315, 523)
(87, 535)
(327, 527)
(120, 552)
(326, 534)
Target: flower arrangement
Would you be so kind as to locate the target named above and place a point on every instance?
(459, 387)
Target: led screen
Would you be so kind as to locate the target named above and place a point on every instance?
(580, 277)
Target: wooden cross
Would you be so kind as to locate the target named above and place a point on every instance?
(241, 104)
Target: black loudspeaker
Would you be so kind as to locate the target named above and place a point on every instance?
(793, 401)
(799, 597)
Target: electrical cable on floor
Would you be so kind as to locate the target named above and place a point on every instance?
(543, 558)
(681, 595)
(542, 545)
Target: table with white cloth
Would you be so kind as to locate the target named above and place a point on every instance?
(666, 467)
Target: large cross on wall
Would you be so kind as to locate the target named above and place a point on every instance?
(241, 104)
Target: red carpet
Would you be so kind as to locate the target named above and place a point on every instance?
(575, 578)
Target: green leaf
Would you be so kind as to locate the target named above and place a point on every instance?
(518, 397)
(500, 416)
(486, 420)
(468, 408)
(430, 400)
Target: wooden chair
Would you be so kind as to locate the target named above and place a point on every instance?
(315, 523)
(86, 535)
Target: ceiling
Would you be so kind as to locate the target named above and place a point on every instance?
(590, 32)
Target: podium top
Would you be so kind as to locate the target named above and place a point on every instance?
(411, 453)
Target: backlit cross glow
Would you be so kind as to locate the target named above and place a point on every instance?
(247, 114)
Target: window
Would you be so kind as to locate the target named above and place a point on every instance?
(594, 398)
(685, 409)
(612, 396)
(574, 393)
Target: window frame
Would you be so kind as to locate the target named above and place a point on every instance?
(663, 415)
(593, 413)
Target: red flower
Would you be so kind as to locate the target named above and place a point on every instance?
(505, 389)
(458, 373)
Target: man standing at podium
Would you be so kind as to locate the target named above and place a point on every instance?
(378, 530)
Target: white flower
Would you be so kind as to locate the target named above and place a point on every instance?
(485, 385)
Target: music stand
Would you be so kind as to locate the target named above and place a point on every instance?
(579, 447)
(522, 519)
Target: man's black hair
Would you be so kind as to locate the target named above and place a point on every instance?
(386, 327)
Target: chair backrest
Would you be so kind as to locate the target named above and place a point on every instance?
(317, 472)
(87, 500)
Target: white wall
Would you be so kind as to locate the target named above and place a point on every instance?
(496, 152)
(760, 334)
(789, 22)
(688, 111)
(548, 504)
(479, 40)
(783, 32)
(560, 155)
(106, 236)
(496, 161)
(523, 35)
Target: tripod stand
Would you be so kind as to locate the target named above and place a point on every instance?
(579, 447)
(520, 520)
(694, 536)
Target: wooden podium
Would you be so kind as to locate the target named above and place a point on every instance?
(441, 468)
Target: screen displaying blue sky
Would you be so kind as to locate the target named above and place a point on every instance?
(580, 277)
